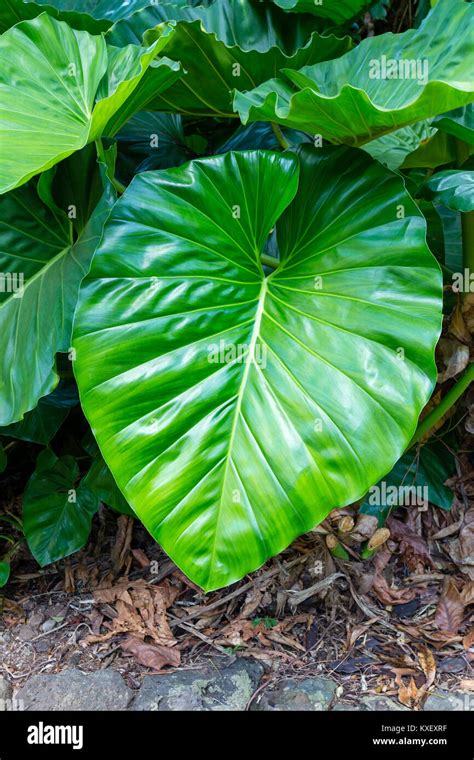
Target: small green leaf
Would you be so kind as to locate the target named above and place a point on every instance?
(57, 512)
(4, 573)
(418, 477)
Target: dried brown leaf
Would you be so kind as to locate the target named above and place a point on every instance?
(408, 695)
(450, 610)
(152, 656)
(428, 665)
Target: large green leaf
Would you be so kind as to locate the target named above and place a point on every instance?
(338, 11)
(236, 410)
(95, 16)
(57, 511)
(41, 270)
(100, 9)
(60, 88)
(14, 11)
(353, 100)
(453, 188)
(230, 44)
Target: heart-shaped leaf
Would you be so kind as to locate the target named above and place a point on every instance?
(236, 410)
(57, 512)
(387, 82)
(227, 45)
(61, 89)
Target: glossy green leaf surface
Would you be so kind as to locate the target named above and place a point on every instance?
(338, 11)
(57, 512)
(386, 83)
(14, 11)
(393, 149)
(459, 123)
(453, 188)
(94, 16)
(232, 44)
(236, 410)
(418, 477)
(99, 9)
(60, 88)
(4, 573)
(41, 272)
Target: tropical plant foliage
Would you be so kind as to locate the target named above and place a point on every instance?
(215, 273)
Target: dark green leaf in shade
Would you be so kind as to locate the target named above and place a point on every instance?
(57, 509)
(41, 424)
(100, 481)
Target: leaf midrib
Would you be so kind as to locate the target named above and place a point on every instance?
(250, 359)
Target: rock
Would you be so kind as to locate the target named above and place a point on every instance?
(345, 707)
(378, 704)
(311, 694)
(5, 691)
(48, 625)
(227, 689)
(26, 633)
(74, 690)
(454, 701)
(42, 645)
(36, 619)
